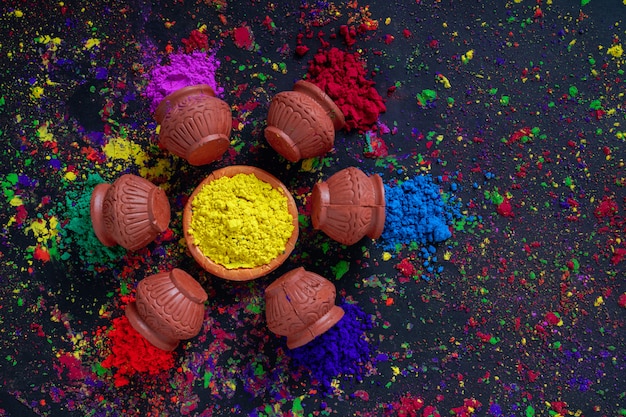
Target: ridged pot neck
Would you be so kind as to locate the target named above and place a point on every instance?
(171, 100)
(324, 100)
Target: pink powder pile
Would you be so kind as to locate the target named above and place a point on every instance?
(182, 70)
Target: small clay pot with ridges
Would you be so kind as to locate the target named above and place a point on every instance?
(349, 206)
(169, 307)
(131, 212)
(300, 305)
(195, 125)
(302, 123)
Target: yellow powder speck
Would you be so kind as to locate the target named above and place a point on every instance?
(240, 221)
(43, 134)
(16, 201)
(162, 169)
(598, 302)
(36, 92)
(70, 176)
(43, 230)
(616, 51)
(90, 43)
(124, 149)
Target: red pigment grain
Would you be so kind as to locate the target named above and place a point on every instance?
(243, 37)
(130, 353)
(342, 76)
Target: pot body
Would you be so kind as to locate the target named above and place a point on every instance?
(301, 306)
(195, 125)
(131, 212)
(169, 307)
(349, 205)
(301, 123)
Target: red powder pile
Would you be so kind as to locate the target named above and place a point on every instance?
(342, 76)
(197, 41)
(132, 354)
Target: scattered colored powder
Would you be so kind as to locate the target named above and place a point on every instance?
(182, 70)
(426, 98)
(342, 350)
(342, 76)
(77, 233)
(130, 353)
(416, 212)
(240, 221)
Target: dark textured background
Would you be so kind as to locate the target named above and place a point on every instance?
(504, 275)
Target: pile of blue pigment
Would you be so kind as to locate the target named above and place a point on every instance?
(416, 212)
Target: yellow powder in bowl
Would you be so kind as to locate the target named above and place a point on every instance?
(240, 221)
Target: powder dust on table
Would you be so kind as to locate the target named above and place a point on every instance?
(181, 70)
(240, 221)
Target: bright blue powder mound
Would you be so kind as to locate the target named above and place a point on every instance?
(416, 212)
(342, 350)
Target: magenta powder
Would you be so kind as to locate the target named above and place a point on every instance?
(182, 70)
(342, 351)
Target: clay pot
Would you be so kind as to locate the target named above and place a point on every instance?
(195, 124)
(302, 123)
(301, 306)
(131, 212)
(240, 274)
(349, 206)
(168, 308)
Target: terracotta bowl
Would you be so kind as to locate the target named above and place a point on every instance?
(240, 274)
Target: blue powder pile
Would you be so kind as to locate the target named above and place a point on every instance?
(342, 350)
(416, 212)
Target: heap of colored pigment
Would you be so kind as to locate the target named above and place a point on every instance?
(342, 76)
(342, 350)
(416, 212)
(240, 221)
(130, 353)
(182, 70)
(77, 235)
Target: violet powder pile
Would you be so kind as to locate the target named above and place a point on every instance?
(342, 351)
(182, 70)
(416, 212)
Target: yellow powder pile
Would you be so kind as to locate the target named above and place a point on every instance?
(240, 221)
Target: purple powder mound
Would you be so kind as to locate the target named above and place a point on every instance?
(182, 70)
(342, 350)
